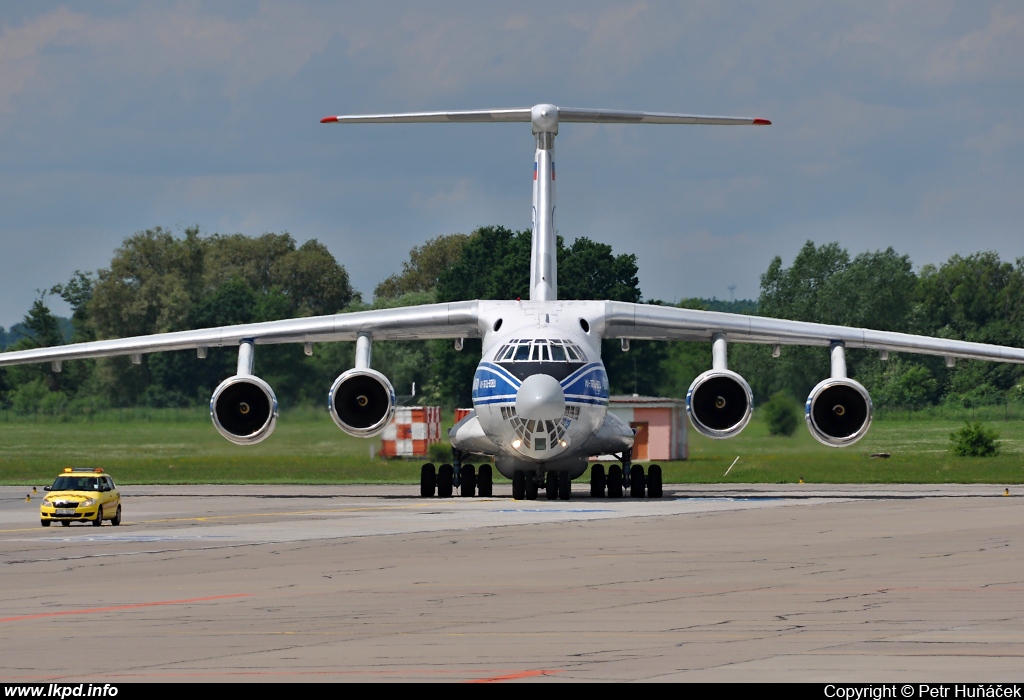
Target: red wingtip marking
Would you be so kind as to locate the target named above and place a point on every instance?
(328, 120)
(762, 122)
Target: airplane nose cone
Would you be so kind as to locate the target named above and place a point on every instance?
(540, 397)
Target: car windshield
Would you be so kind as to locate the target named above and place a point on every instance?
(76, 483)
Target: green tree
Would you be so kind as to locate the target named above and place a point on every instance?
(824, 285)
(158, 282)
(977, 298)
(426, 263)
(77, 292)
(39, 329)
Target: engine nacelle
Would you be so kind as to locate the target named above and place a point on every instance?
(838, 412)
(719, 403)
(361, 402)
(244, 409)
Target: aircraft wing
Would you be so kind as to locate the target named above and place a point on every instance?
(452, 320)
(647, 322)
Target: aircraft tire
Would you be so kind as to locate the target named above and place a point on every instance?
(468, 484)
(519, 485)
(564, 486)
(636, 481)
(531, 487)
(484, 481)
(428, 480)
(615, 481)
(654, 489)
(551, 485)
(445, 475)
(597, 481)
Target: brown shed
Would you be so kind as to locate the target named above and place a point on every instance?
(660, 425)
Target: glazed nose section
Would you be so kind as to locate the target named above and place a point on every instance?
(540, 397)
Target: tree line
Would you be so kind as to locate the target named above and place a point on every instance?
(160, 282)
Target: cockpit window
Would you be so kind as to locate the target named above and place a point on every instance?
(539, 350)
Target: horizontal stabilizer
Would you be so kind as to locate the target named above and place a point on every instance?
(597, 116)
(475, 115)
(609, 116)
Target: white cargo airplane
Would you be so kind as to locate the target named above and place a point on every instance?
(540, 394)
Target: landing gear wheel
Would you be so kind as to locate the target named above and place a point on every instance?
(468, 485)
(428, 480)
(445, 475)
(564, 486)
(116, 520)
(615, 481)
(551, 485)
(519, 485)
(531, 486)
(484, 481)
(654, 481)
(597, 481)
(44, 523)
(636, 481)
(99, 517)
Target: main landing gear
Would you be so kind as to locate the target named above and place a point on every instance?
(471, 481)
(619, 478)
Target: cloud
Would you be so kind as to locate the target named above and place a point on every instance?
(1001, 137)
(21, 49)
(992, 52)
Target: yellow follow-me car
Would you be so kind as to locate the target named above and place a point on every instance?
(83, 494)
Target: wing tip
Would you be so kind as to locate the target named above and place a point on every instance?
(328, 120)
(762, 122)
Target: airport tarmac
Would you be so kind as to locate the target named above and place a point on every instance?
(755, 583)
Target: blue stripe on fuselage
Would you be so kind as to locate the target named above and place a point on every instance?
(494, 384)
(589, 385)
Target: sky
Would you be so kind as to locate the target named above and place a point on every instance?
(894, 124)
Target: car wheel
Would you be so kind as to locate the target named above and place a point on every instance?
(44, 523)
(116, 520)
(99, 517)
(65, 523)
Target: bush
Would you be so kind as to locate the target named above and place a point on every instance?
(29, 397)
(781, 415)
(974, 440)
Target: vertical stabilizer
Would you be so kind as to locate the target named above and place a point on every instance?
(543, 248)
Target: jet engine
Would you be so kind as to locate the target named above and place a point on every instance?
(838, 412)
(244, 409)
(361, 402)
(719, 403)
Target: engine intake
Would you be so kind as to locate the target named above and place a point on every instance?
(361, 402)
(719, 403)
(244, 409)
(838, 412)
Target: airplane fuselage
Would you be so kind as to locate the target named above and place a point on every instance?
(540, 391)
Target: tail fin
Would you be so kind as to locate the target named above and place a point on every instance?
(544, 119)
